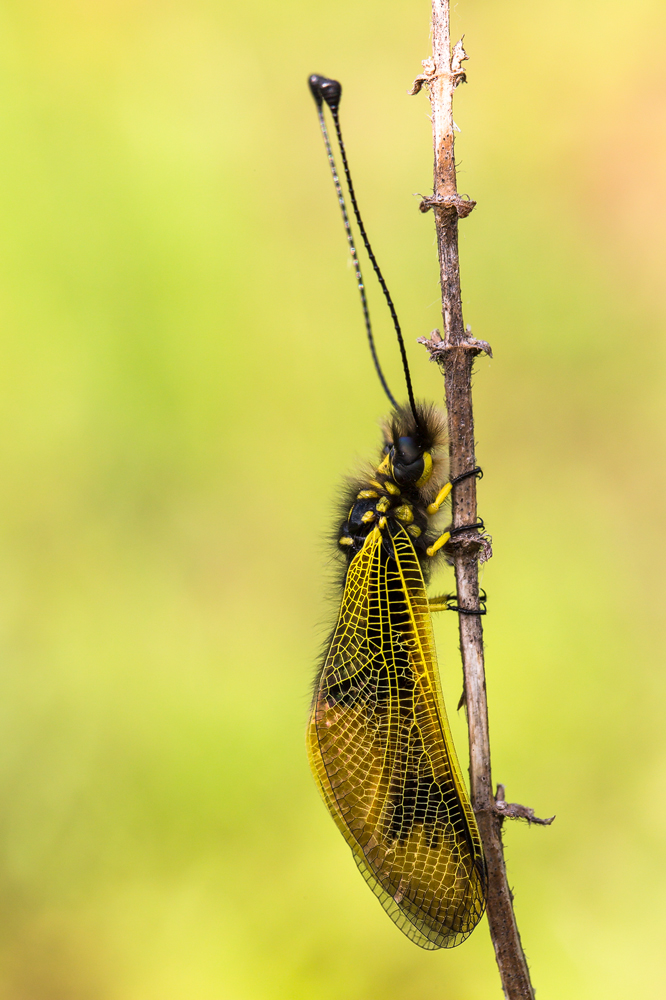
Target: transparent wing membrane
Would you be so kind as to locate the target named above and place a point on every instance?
(381, 750)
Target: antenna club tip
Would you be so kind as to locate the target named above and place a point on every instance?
(324, 89)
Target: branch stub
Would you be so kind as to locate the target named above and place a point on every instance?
(438, 347)
(462, 203)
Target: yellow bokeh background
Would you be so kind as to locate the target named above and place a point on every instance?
(185, 381)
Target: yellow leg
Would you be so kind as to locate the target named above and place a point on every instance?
(439, 499)
(438, 603)
(436, 545)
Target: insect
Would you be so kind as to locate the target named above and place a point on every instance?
(378, 738)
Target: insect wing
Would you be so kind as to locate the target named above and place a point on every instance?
(381, 750)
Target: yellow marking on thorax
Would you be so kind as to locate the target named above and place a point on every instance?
(366, 495)
(427, 469)
(346, 540)
(414, 530)
(383, 505)
(368, 517)
(392, 488)
(405, 513)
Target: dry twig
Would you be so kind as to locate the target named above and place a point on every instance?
(455, 352)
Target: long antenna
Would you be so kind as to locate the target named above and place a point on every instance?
(314, 87)
(330, 91)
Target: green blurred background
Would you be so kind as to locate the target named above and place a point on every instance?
(184, 382)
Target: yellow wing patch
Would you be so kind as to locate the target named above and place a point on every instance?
(381, 750)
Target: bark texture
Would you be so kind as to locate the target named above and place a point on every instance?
(455, 352)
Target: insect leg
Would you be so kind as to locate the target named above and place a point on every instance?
(438, 543)
(447, 602)
(445, 490)
(440, 498)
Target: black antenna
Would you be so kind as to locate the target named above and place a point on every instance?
(330, 91)
(316, 86)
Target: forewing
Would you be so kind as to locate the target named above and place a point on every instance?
(381, 749)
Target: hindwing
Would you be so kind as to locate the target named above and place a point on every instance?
(380, 747)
